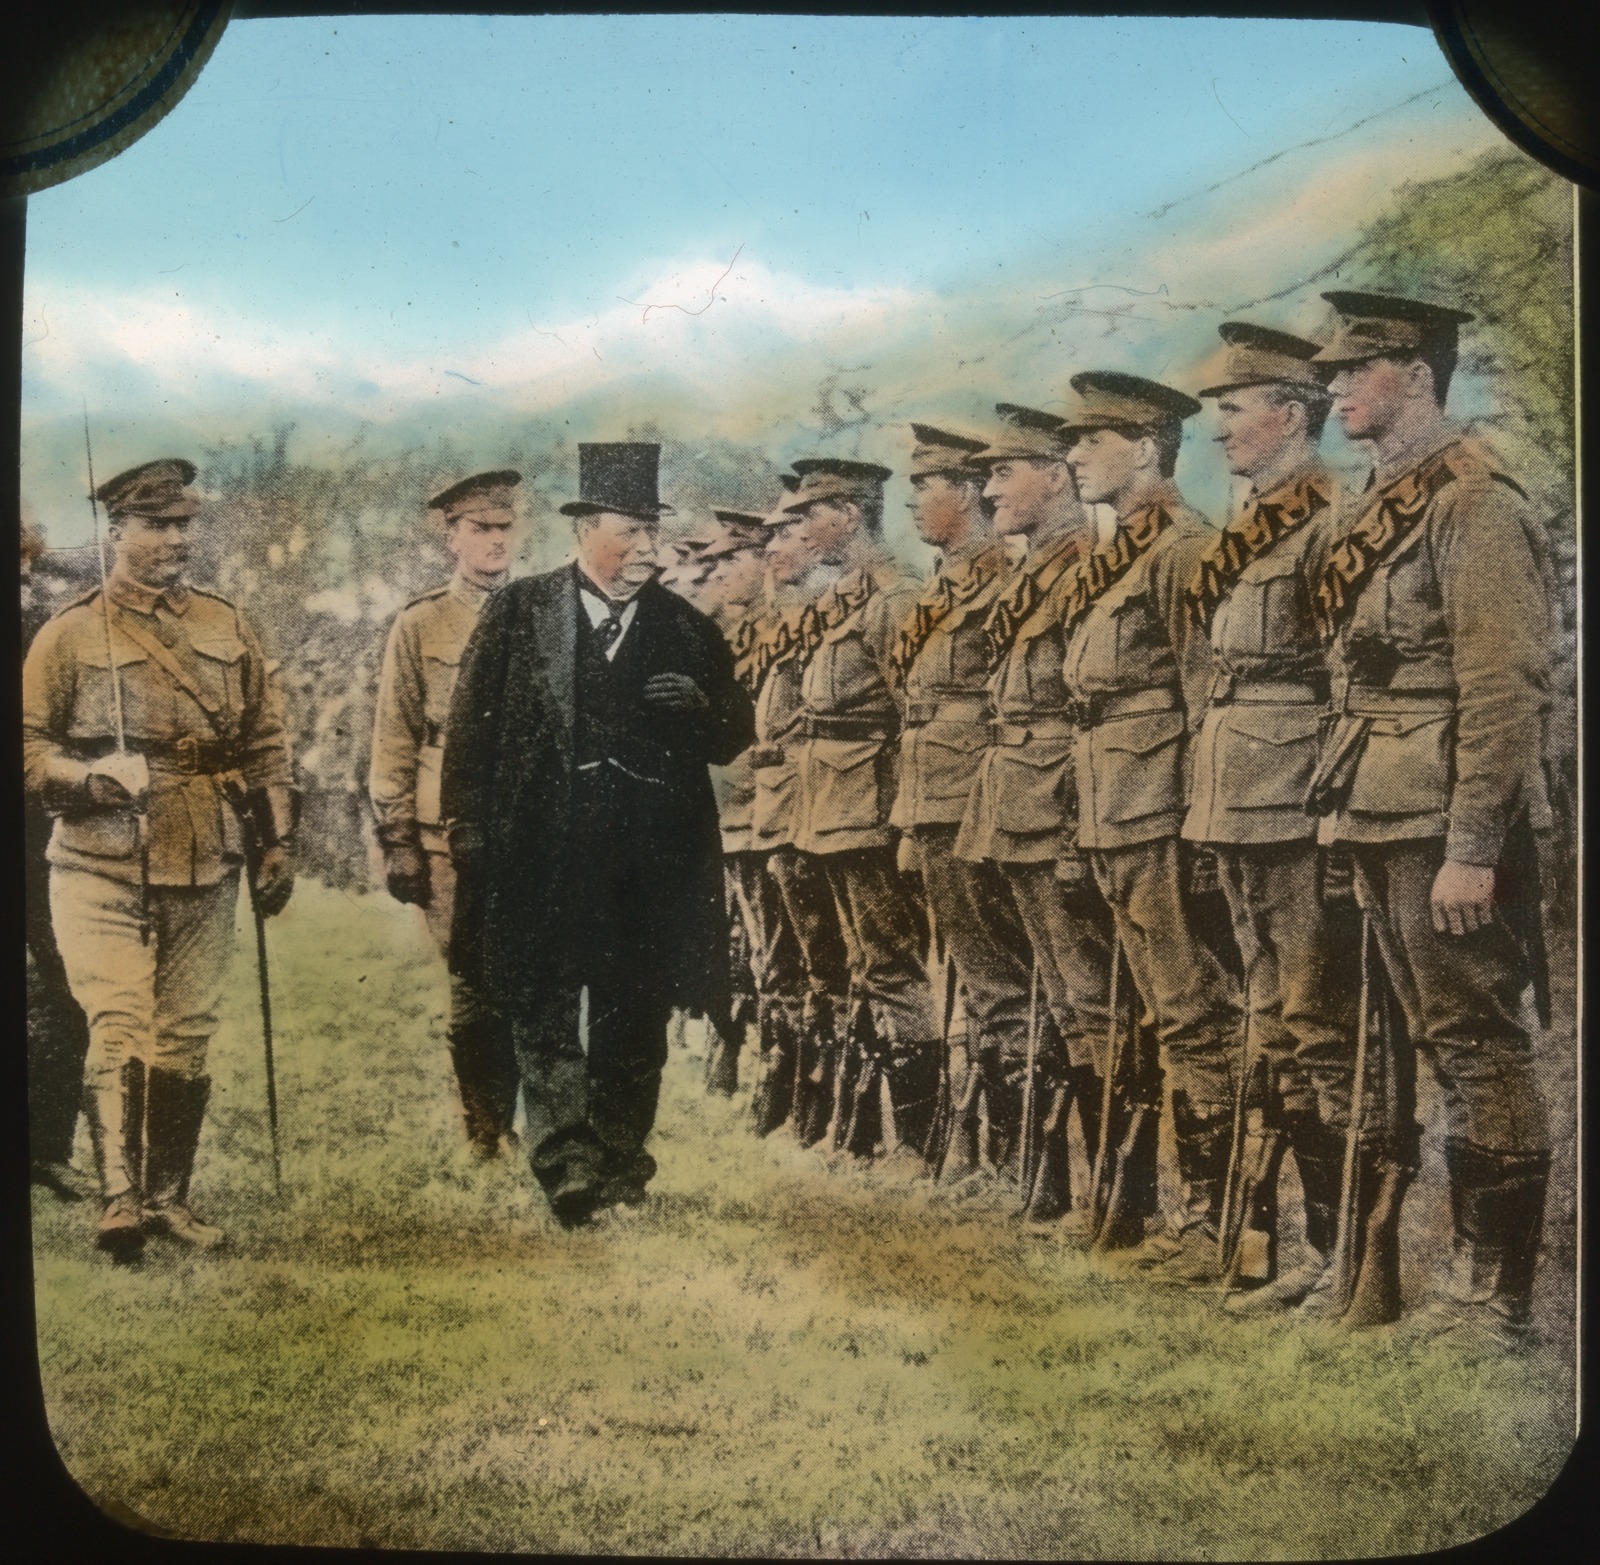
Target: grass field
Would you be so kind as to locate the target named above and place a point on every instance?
(772, 1358)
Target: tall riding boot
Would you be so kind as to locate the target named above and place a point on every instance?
(722, 1055)
(1497, 1200)
(116, 1112)
(817, 1082)
(177, 1109)
(1049, 1195)
(1319, 1158)
(1203, 1145)
(913, 1074)
(1088, 1097)
(469, 1055)
(863, 1106)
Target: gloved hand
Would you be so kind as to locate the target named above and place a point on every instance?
(405, 871)
(117, 779)
(675, 692)
(274, 880)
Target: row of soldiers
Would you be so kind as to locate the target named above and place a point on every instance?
(1120, 799)
(1035, 778)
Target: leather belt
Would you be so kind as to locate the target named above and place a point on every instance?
(1228, 687)
(964, 709)
(820, 726)
(1008, 734)
(1377, 701)
(1104, 705)
(187, 755)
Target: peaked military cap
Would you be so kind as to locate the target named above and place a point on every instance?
(1260, 356)
(153, 489)
(740, 530)
(1025, 434)
(940, 452)
(834, 478)
(1374, 325)
(481, 495)
(1111, 399)
(618, 475)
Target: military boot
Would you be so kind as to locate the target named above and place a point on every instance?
(1203, 1146)
(177, 1109)
(1049, 1193)
(1319, 1156)
(819, 1082)
(961, 1152)
(774, 1096)
(913, 1075)
(1497, 1202)
(115, 1106)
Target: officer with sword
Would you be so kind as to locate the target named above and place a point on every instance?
(152, 733)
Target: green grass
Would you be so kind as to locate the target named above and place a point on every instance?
(772, 1359)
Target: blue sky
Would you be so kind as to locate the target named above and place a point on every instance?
(441, 218)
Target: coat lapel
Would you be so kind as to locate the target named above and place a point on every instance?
(555, 634)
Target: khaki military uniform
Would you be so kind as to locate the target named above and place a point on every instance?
(420, 662)
(1137, 670)
(1254, 758)
(806, 948)
(144, 903)
(848, 730)
(942, 653)
(1440, 662)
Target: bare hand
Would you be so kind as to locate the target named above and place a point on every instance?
(1463, 898)
(118, 779)
(274, 880)
(405, 872)
(675, 692)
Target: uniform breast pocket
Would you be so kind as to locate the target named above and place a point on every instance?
(109, 834)
(1266, 759)
(1030, 786)
(1136, 633)
(947, 759)
(1264, 610)
(441, 662)
(1138, 766)
(94, 709)
(847, 783)
(220, 668)
(1406, 767)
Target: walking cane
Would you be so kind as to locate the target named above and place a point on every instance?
(945, 1117)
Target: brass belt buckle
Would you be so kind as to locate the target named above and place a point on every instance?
(186, 754)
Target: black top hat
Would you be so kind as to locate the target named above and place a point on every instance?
(618, 475)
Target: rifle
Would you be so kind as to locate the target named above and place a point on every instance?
(1345, 1242)
(944, 1119)
(1025, 1150)
(1098, 1194)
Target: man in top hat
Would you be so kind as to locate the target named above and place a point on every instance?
(1137, 668)
(940, 657)
(1022, 813)
(1436, 605)
(762, 976)
(420, 662)
(847, 780)
(583, 827)
(800, 1041)
(1254, 757)
(150, 727)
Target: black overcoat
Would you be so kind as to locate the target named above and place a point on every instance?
(507, 793)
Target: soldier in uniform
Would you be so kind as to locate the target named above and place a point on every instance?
(734, 576)
(850, 725)
(420, 663)
(1022, 813)
(941, 661)
(152, 733)
(1254, 757)
(1436, 603)
(1137, 668)
(802, 1039)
